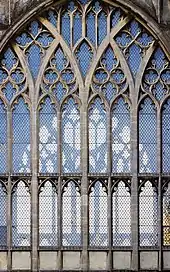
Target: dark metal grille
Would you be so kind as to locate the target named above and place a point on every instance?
(48, 138)
(71, 214)
(147, 137)
(3, 138)
(70, 137)
(3, 216)
(48, 204)
(166, 137)
(84, 55)
(21, 218)
(148, 214)
(121, 214)
(98, 210)
(120, 137)
(97, 138)
(21, 140)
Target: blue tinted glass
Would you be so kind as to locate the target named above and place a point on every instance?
(102, 27)
(90, 28)
(97, 138)
(70, 137)
(147, 138)
(48, 156)
(3, 216)
(120, 137)
(21, 141)
(3, 138)
(84, 55)
(166, 137)
(77, 27)
(65, 27)
(34, 59)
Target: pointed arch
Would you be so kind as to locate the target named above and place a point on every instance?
(97, 129)
(48, 209)
(48, 136)
(21, 218)
(3, 137)
(121, 214)
(147, 147)
(98, 212)
(70, 136)
(71, 215)
(165, 116)
(121, 129)
(148, 214)
(21, 141)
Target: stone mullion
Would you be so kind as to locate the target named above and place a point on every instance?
(34, 191)
(84, 184)
(159, 167)
(9, 193)
(109, 146)
(134, 188)
(59, 207)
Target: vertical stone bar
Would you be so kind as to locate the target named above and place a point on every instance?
(9, 196)
(159, 167)
(134, 188)
(34, 191)
(59, 211)
(84, 182)
(109, 168)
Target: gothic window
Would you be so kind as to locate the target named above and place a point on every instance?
(97, 137)
(98, 225)
(121, 213)
(148, 213)
(71, 213)
(84, 135)
(21, 218)
(48, 209)
(147, 137)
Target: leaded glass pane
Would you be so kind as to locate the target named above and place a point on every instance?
(21, 218)
(3, 138)
(97, 137)
(166, 137)
(166, 216)
(3, 216)
(84, 55)
(48, 156)
(148, 215)
(147, 137)
(98, 210)
(121, 215)
(70, 137)
(21, 140)
(120, 137)
(48, 215)
(71, 215)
